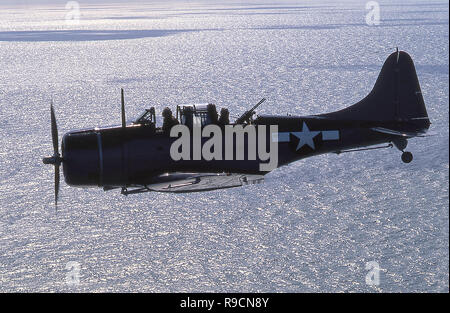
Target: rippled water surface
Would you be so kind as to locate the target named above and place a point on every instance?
(312, 226)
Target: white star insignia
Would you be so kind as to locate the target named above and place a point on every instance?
(305, 137)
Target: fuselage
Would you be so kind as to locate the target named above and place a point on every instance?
(134, 155)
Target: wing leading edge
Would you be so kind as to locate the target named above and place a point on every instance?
(194, 182)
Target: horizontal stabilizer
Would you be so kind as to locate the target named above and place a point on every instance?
(400, 133)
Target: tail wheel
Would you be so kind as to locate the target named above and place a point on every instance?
(407, 157)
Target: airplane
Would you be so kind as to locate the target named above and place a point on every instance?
(136, 157)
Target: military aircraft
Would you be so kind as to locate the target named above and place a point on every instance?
(138, 157)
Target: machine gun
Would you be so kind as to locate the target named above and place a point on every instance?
(248, 114)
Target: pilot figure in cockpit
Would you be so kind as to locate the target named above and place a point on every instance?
(168, 120)
(224, 117)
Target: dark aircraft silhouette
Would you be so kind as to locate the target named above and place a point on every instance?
(137, 157)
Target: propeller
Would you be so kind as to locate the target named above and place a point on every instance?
(55, 159)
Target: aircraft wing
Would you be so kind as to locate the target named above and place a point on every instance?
(195, 182)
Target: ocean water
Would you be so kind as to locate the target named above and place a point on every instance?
(313, 226)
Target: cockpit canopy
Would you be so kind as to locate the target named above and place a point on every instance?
(146, 118)
(196, 114)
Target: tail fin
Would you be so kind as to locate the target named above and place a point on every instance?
(396, 95)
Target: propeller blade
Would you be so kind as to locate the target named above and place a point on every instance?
(54, 130)
(56, 158)
(56, 184)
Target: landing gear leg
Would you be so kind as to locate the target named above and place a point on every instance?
(401, 144)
